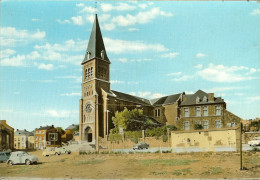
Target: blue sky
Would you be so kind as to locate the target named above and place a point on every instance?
(156, 49)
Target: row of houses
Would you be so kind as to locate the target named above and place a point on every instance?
(40, 138)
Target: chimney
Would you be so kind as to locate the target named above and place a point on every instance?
(211, 96)
(3, 121)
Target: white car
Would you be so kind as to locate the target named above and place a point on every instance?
(21, 157)
(254, 142)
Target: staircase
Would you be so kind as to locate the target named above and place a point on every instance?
(81, 146)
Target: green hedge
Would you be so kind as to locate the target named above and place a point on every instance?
(115, 137)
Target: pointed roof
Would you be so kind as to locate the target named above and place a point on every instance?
(95, 44)
(191, 99)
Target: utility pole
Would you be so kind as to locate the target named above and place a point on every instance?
(241, 130)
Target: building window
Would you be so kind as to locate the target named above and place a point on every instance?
(218, 110)
(205, 99)
(43, 138)
(157, 112)
(197, 100)
(186, 125)
(198, 112)
(91, 71)
(205, 124)
(233, 124)
(218, 124)
(205, 111)
(186, 112)
(198, 122)
(40, 138)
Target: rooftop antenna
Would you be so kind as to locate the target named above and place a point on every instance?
(95, 7)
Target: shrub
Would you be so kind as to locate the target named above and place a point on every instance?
(115, 137)
(165, 138)
(133, 135)
(198, 126)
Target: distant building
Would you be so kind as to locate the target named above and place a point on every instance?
(22, 139)
(47, 136)
(69, 132)
(6, 136)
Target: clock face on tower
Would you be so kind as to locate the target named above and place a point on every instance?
(88, 108)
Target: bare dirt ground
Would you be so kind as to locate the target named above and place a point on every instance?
(140, 165)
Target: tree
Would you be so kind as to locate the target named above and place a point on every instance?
(60, 130)
(132, 120)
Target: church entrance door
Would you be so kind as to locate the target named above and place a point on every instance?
(88, 134)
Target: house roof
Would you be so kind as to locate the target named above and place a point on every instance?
(190, 99)
(44, 127)
(23, 132)
(73, 126)
(95, 44)
(166, 100)
(131, 98)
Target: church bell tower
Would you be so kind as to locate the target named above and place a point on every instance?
(95, 76)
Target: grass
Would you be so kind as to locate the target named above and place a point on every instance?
(25, 168)
(158, 173)
(212, 170)
(90, 162)
(179, 172)
(167, 162)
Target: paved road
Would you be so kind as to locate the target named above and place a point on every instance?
(245, 147)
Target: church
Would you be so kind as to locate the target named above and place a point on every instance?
(99, 103)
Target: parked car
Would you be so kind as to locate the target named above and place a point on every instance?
(64, 150)
(51, 151)
(22, 157)
(255, 141)
(4, 156)
(141, 145)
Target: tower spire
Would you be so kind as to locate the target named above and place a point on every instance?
(96, 47)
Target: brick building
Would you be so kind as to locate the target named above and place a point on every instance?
(99, 103)
(47, 136)
(22, 139)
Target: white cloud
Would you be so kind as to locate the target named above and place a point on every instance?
(121, 7)
(200, 55)
(140, 60)
(132, 29)
(253, 98)
(109, 27)
(18, 60)
(238, 94)
(170, 55)
(189, 92)
(6, 53)
(63, 22)
(74, 78)
(90, 18)
(104, 17)
(123, 60)
(88, 9)
(198, 66)
(120, 46)
(46, 66)
(221, 73)
(77, 20)
(35, 20)
(140, 18)
(142, 6)
(11, 36)
(183, 78)
(71, 94)
(116, 82)
(221, 89)
(255, 12)
(156, 95)
(80, 5)
(59, 114)
(174, 74)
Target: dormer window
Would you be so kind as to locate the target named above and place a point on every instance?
(205, 99)
(102, 54)
(88, 53)
(197, 100)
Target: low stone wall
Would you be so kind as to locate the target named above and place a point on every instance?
(128, 144)
(206, 140)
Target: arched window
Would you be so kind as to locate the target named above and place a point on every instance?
(197, 99)
(205, 99)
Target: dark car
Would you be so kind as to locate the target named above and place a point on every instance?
(4, 156)
(141, 145)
